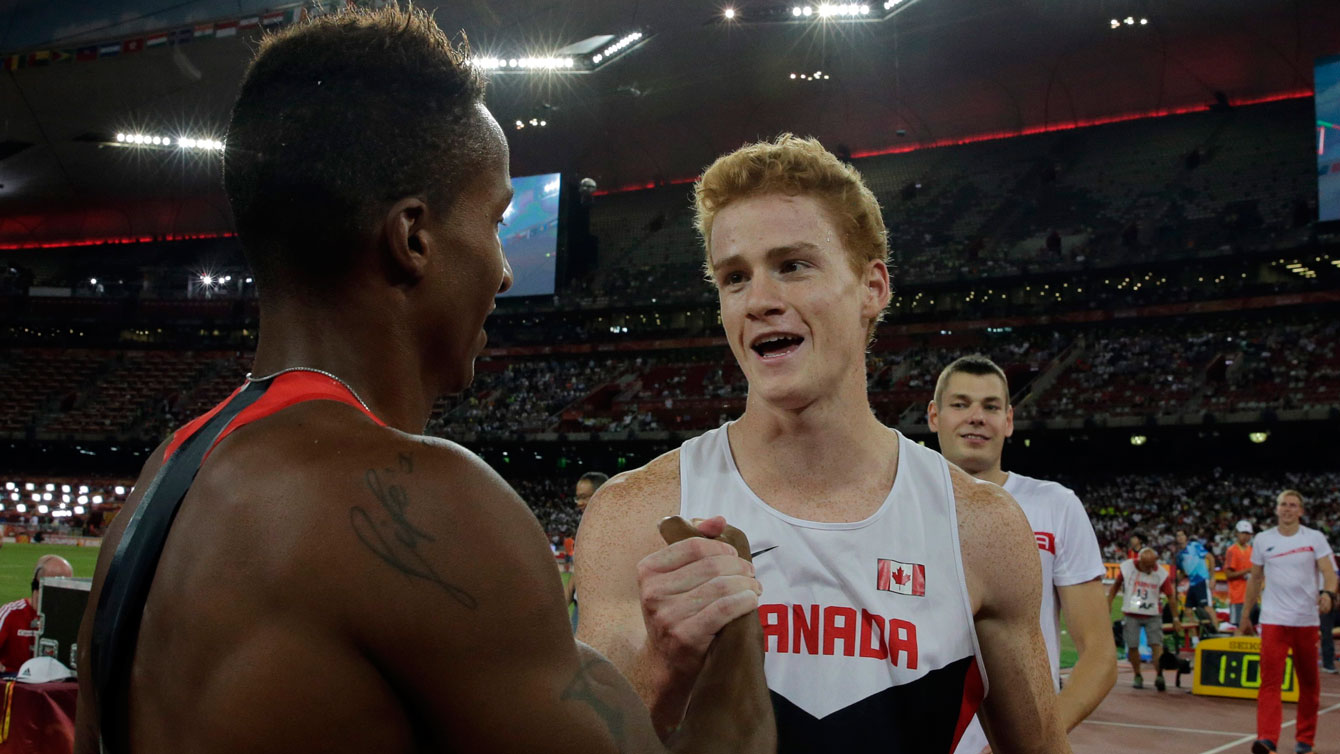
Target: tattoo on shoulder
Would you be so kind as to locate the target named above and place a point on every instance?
(583, 690)
(387, 531)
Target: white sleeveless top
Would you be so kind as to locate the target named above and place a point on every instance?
(867, 625)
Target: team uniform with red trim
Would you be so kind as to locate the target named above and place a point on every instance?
(17, 630)
(1070, 555)
(868, 627)
(1289, 620)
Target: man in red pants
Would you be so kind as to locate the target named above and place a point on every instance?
(1287, 559)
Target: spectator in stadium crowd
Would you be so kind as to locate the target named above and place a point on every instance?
(1237, 568)
(421, 608)
(586, 488)
(797, 250)
(1197, 564)
(18, 619)
(1134, 545)
(1142, 582)
(1287, 560)
(972, 416)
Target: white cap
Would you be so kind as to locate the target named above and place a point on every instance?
(43, 670)
(1245, 526)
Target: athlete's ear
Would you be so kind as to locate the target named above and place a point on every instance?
(932, 416)
(405, 240)
(1009, 421)
(878, 289)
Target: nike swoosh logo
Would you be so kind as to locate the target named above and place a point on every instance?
(753, 555)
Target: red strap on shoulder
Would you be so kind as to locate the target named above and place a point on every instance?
(287, 390)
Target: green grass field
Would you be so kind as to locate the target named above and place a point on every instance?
(17, 560)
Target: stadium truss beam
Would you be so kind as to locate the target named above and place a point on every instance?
(586, 56)
(872, 11)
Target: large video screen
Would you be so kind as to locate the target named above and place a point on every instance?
(530, 236)
(1326, 84)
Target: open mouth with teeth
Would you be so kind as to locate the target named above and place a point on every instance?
(776, 346)
(974, 437)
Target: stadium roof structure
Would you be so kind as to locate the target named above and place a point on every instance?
(695, 85)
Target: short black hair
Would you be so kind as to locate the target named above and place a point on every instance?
(596, 478)
(338, 116)
(1138, 535)
(976, 364)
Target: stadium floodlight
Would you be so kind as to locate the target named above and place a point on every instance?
(42, 509)
(9, 485)
(47, 496)
(64, 499)
(92, 281)
(1116, 24)
(795, 11)
(1138, 440)
(729, 13)
(28, 487)
(14, 496)
(65, 488)
(51, 488)
(82, 499)
(21, 508)
(37, 497)
(79, 510)
(1258, 437)
(122, 490)
(97, 499)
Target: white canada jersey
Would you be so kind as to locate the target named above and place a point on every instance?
(868, 628)
(1290, 597)
(1070, 555)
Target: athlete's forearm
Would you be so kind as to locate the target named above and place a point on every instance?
(665, 692)
(729, 709)
(1093, 676)
(1249, 602)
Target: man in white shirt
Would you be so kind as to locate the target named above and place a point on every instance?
(972, 415)
(1141, 581)
(1288, 558)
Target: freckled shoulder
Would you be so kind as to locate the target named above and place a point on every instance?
(993, 530)
(651, 491)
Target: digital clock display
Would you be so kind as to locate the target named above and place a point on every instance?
(1231, 666)
(1237, 670)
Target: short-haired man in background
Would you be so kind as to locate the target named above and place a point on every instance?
(587, 484)
(18, 619)
(972, 416)
(1237, 567)
(1141, 582)
(1197, 563)
(1287, 560)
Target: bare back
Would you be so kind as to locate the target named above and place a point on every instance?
(246, 641)
(333, 585)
